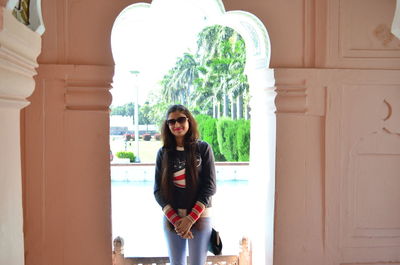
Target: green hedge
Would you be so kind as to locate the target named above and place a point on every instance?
(229, 139)
(208, 132)
(227, 142)
(125, 154)
(243, 139)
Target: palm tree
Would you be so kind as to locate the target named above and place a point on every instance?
(169, 91)
(179, 83)
(222, 51)
(186, 73)
(211, 78)
(211, 43)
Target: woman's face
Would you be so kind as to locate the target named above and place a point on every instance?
(178, 124)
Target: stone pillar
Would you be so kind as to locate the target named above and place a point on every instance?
(19, 48)
(262, 160)
(300, 158)
(67, 184)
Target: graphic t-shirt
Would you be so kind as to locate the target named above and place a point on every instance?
(179, 167)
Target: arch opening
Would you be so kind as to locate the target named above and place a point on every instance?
(261, 81)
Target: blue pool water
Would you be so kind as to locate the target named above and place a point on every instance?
(137, 217)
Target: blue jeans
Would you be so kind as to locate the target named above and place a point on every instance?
(198, 246)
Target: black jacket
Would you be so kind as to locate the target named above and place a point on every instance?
(206, 178)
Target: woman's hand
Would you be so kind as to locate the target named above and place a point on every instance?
(188, 235)
(183, 225)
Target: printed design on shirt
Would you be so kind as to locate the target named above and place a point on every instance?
(198, 160)
(180, 178)
(179, 171)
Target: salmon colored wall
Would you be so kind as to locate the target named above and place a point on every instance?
(67, 182)
(290, 25)
(334, 62)
(82, 33)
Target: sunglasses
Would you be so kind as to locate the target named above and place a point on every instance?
(180, 120)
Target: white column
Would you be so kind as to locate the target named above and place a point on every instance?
(262, 162)
(19, 48)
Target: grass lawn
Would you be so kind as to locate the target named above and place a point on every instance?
(147, 149)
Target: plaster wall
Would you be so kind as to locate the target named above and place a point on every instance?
(335, 63)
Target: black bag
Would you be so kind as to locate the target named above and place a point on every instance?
(215, 244)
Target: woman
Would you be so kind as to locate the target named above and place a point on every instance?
(184, 184)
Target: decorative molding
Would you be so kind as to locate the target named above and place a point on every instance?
(321, 33)
(87, 97)
(359, 39)
(301, 91)
(356, 42)
(369, 219)
(309, 29)
(391, 122)
(292, 98)
(86, 86)
(362, 161)
(373, 166)
(19, 48)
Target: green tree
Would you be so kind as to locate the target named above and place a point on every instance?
(179, 83)
(169, 91)
(127, 109)
(118, 110)
(222, 52)
(158, 107)
(130, 109)
(145, 114)
(211, 78)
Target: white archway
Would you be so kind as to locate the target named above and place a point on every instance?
(262, 90)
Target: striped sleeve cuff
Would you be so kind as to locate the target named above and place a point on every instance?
(196, 212)
(171, 214)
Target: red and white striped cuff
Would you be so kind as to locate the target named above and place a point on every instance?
(196, 212)
(171, 214)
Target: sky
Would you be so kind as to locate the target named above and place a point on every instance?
(149, 41)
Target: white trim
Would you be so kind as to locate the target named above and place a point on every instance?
(396, 21)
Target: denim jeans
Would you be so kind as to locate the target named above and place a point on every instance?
(198, 246)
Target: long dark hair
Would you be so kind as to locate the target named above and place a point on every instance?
(169, 144)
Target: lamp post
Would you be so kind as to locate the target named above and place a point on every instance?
(136, 74)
